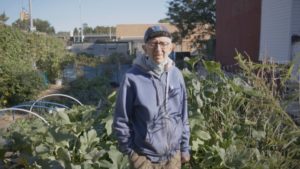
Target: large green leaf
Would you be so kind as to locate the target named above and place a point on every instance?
(64, 157)
(119, 160)
(258, 134)
(42, 149)
(64, 117)
(196, 143)
(108, 123)
(106, 164)
(94, 154)
(88, 140)
(203, 135)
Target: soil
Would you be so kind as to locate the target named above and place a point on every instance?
(7, 119)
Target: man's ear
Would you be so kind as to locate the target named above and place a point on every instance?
(173, 46)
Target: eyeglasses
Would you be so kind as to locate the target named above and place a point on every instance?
(162, 45)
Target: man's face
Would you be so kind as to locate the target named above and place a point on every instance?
(158, 48)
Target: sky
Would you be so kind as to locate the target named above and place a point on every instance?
(65, 15)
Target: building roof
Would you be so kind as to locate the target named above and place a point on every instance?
(136, 31)
(125, 32)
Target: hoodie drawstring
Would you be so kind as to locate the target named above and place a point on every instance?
(156, 90)
(167, 91)
(166, 94)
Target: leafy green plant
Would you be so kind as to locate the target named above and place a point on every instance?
(79, 138)
(238, 121)
(89, 91)
(23, 56)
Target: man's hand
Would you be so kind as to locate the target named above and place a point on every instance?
(185, 158)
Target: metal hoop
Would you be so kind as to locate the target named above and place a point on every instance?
(27, 111)
(50, 95)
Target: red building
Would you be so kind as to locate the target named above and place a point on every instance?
(237, 29)
(261, 29)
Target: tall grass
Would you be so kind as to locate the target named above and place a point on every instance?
(238, 121)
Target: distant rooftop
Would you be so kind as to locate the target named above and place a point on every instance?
(127, 31)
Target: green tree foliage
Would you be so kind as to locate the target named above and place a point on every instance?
(40, 25)
(104, 30)
(87, 29)
(165, 20)
(16, 72)
(51, 55)
(43, 26)
(3, 18)
(23, 25)
(63, 33)
(89, 91)
(24, 56)
(75, 31)
(96, 30)
(186, 15)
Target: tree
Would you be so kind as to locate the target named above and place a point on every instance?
(104, 30)
(165, 20)
(43, 26)
(186, 15)
(23, 25)
(87, 29)
(3, 18)
(63, 33)
(23, 56)
(75, 32)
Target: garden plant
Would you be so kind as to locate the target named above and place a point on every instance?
(236, 120)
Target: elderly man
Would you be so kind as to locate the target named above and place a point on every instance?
(151, 118)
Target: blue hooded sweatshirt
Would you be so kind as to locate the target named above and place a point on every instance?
(151, 116)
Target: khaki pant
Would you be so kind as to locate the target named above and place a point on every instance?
(141, 162)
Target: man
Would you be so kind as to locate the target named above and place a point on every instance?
(151, 118)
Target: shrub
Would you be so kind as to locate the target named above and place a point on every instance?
(22, 56)
(238, 121)
(89, 91)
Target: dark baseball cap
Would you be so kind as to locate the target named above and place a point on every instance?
(156, 31)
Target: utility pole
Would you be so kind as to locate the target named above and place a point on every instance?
(81, 25)
(30, 15)
(110, 32)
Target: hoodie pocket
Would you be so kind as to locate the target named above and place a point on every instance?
(157, 141)
(176, 132)
(165, 136)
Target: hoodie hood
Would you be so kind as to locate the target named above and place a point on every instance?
(151, 67)
(156, 70)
